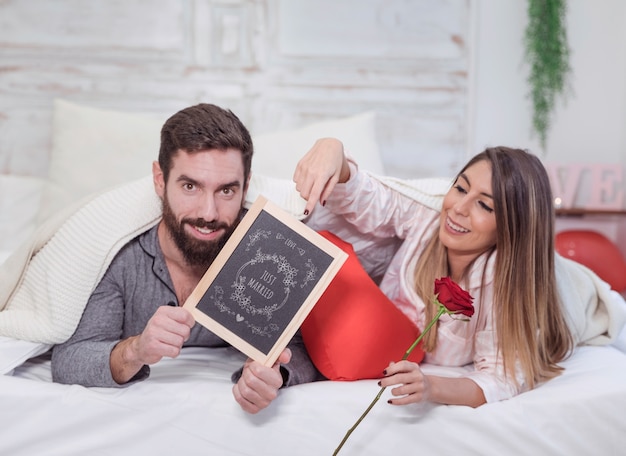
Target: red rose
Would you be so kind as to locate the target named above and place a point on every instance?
(453, 297)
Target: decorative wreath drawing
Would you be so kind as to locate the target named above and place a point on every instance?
(246, 306)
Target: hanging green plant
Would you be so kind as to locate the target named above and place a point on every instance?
(547, 52)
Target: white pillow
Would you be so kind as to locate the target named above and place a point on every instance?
(281, 192)
(276, 154)
(20, 198)
(94, 149)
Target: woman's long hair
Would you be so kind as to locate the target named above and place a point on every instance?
(530, 323)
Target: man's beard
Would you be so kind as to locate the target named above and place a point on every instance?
(197, 253)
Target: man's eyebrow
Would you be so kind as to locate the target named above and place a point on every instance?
(233, 184)
(468, 183)
(190, 180)
(187, 179)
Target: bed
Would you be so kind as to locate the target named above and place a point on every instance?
(186, 405)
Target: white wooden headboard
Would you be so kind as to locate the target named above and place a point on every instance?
(277, 64)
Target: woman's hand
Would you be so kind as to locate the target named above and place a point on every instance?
(319, 170)
(414, 385)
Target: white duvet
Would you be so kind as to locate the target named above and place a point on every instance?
(186, 408)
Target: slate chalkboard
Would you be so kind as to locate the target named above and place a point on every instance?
(265, 281)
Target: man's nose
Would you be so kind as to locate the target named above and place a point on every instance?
(208, 209)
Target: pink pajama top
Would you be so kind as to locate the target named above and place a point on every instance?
(376, 210)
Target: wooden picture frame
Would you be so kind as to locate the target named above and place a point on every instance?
(264, 282)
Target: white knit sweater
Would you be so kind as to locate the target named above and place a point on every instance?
(46, 284)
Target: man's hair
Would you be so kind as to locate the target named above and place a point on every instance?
(203, 127)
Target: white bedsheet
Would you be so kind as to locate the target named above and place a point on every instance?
(4, 254)
(186, 408)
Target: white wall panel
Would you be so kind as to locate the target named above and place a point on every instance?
(276, 63)
(140, 27)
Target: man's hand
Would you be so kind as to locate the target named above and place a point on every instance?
(259, 384)
(163, 336)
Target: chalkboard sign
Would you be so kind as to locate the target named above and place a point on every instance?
(264, 282)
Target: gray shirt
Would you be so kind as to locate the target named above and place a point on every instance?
(135, 285)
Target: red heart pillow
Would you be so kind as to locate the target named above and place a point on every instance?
(354, 330)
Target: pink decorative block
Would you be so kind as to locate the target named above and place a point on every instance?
(607, 187)
(589, 186)
(565, 180)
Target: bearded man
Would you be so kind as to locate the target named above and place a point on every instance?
(134, 316)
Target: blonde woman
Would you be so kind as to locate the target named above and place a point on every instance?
(493, 236)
